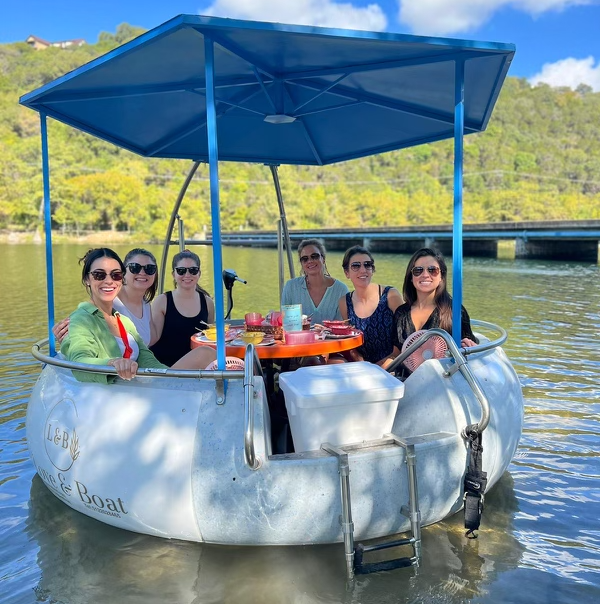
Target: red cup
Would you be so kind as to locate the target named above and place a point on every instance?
(253, 318)
(276, 318)
(300, 337)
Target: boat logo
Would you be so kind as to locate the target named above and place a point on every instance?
(60, 436)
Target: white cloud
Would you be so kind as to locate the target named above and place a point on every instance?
(441, 17)
(325, 13)
(569, 72)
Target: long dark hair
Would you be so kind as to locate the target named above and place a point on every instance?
(187, 255)
(353, 251)
(92, 255)
(443, 300)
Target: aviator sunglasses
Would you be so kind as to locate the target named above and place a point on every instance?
(368, 264)
(135, 268)
(100, 275)
(181, 270)
(417, 271)
(305, 259)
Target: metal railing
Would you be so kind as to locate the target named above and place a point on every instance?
(488, 345)
(144, 372)
(251, 364)
(458, 355)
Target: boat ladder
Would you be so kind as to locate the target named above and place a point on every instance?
(355, 555)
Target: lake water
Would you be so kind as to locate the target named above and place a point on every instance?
(540, 537)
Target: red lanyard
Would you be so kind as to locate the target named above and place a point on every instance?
(124, 336)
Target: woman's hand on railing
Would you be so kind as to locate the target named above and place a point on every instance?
(126, 368)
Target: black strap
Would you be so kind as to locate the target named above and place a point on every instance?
(474, 483)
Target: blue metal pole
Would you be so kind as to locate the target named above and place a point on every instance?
(457, 229)
(48, 231)
(213, 162)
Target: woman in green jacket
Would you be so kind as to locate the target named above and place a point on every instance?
(99, 335)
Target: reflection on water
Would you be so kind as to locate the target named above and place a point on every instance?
(82, 560)
(540, 537)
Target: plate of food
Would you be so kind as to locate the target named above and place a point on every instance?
(341, 336)
(202, 337)
(267, 341)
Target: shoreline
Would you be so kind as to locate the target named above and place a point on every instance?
(98, 238)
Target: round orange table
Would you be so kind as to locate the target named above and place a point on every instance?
(288, 351)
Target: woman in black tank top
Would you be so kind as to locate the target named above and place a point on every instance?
(179, 314)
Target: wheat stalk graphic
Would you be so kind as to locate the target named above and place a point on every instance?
(74, 449)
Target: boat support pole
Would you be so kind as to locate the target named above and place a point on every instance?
(48, 232)
(457, 227)
(213, 161)
(283, 218)
(174, 213)
(280, 268)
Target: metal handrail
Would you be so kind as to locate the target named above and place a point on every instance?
(489, 345)
(458, 355)
(251, 364)
(146, 371)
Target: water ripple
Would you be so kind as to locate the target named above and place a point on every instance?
(539, 541)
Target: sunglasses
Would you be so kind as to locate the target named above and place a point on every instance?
(305, 259)
(417, 271)
(100, 275)
(181, 270)
(368, 264)
(135, 268)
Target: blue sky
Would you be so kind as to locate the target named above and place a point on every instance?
(558, 41)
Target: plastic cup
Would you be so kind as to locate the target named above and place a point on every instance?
(253, 318)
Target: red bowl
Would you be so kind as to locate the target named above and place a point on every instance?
(330, 324)
(341, 330)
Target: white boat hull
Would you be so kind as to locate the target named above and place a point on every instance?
(159, 456)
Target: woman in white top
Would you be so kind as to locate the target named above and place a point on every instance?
(316, 289)
(138, 290)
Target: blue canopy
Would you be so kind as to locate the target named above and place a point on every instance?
(211, 89)
(284, 94)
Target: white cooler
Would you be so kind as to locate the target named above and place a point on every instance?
(340, 404)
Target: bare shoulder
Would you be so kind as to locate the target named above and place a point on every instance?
(394, 299)
(210, 307)
(159, 304)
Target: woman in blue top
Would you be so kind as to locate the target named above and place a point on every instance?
(316, 289)
(370, 307)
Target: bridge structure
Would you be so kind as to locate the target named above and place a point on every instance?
(558, 240)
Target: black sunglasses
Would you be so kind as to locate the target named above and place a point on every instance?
(135, 268)
(305, 259)
(368, 264)
(181, 270)
(100, 275)
(417, 271)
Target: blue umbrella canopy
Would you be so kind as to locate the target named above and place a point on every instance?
(284, 94)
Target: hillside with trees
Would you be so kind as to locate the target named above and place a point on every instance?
(538, 160)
